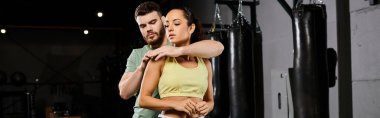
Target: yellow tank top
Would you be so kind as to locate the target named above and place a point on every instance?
(177, 80)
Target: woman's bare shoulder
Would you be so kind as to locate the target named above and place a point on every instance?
(160, 62)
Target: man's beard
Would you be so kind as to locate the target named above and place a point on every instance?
(158, 42)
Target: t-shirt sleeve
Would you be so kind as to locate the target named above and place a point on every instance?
(132, 62)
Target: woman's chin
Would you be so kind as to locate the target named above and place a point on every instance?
(174, 42)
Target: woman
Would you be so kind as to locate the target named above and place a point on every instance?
(184, 83)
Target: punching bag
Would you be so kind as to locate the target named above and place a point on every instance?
(220, 79)
(309, 82)
(332, 59)
(240, 65)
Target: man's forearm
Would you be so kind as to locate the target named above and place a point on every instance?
(204, 49)
(129, 84)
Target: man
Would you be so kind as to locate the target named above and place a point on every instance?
(149, 20)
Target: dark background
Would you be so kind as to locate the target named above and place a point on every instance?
(47, 62)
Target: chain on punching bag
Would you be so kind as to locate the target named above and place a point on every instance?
(310, 87)
(240, 65)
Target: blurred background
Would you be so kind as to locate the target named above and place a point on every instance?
(65, 58)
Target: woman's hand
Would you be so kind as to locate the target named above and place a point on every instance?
(202, 108)
(187, 106)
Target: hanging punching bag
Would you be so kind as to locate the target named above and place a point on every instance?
(310, 86)
(332, 59)
(240, 67)
(220, 79)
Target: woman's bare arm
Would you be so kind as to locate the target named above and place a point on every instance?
(208, 105)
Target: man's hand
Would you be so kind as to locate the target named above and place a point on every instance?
(165, 51)
(144, 61)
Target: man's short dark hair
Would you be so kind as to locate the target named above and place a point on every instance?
(147, 7)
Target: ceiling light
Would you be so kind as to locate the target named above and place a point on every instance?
(3, 31)
(100, 14)
(85, 32)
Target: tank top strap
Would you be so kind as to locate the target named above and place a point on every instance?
(171, 59)
(200, 60)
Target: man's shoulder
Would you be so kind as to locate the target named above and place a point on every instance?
(141, 50)
(138, 49)
(145, 48)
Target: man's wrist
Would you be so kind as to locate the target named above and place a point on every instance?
(141, 69)
(182, 50)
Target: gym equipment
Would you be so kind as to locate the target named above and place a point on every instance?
(309, 77)
(310, 85)
(240, 65)
(332, 59)
(220, 78)
(220, 73)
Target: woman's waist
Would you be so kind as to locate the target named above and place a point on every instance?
(180, 94)
(180, 98)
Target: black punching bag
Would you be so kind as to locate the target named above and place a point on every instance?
(220, 78)
(332, 59)
(240, 65)
(310, 85)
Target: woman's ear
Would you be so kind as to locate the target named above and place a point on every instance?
(192, 28)
(163, 20)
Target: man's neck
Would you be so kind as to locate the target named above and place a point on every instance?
(155, 46)
(164, 42)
